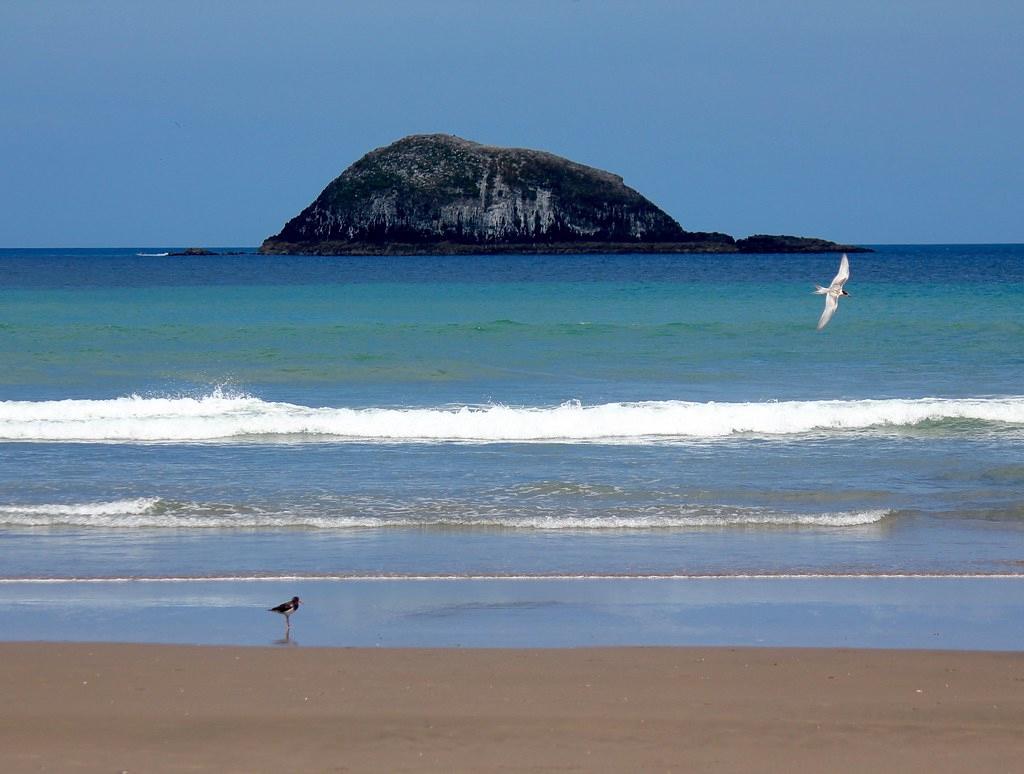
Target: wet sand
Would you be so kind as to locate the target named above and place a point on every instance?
(155, 708)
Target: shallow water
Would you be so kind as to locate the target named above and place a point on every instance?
(936, 613)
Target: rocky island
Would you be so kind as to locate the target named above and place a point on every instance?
(440, 194)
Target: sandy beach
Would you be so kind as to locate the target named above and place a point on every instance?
(153, 708)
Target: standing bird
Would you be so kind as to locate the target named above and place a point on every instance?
(833, 291)
(286, 609)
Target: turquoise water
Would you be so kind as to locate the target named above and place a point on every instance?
(579, 416)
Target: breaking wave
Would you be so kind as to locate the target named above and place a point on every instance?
(158, 513)
(220, 417)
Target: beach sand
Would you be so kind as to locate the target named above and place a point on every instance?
(154, 708)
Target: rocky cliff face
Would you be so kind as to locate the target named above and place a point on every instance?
(440, 191)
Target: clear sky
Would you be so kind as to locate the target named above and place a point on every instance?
(199, 122)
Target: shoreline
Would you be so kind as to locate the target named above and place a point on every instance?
(948, 613)
(116, 707)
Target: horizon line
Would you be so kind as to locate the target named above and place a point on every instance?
(255, 247)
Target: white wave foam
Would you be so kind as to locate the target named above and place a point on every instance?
(219, 416)
(81, 512)
(739, 575)
(154, 513)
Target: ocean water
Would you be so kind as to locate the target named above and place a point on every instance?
(311, 418)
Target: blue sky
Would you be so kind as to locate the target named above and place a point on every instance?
(210, 123)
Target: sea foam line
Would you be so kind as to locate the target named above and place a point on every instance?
(221, 417)
(156, 513)
(520, 577)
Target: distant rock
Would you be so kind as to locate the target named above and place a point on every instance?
(440, 194)
(205, 251)
(195, 251)
(780, 243)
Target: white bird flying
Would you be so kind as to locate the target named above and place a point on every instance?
(833, 291)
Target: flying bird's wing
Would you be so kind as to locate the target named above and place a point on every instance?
(831, 302)
(842, 275)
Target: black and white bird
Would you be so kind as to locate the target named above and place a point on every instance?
(286, 609)
(833, 291)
